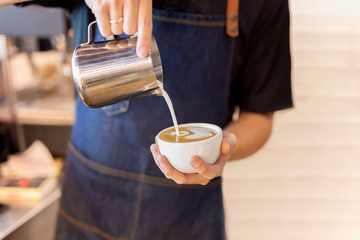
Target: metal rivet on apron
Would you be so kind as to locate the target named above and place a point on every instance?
(232, 17)
(232, 28)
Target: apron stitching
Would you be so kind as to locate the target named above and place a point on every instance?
(137, 210)
(191, 22)
(137, 176)
(87, 226)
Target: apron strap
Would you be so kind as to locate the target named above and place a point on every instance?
(232, 18)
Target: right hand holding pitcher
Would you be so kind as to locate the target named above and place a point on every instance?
(125, 16)
(204, 172)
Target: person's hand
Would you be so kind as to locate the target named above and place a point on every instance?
(126, 16)
(205, 172)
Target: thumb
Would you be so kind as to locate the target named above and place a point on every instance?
(228, 143)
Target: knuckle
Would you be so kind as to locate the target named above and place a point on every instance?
(102, 8)
(164, 171)
(180, 180)
(214, 174)
(205, 182)
(210, 175)
(203, 171)
(167, 175)
(206, 172)
(233, 138)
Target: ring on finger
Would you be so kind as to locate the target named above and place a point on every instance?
(117, 21)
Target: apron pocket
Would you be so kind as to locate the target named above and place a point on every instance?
(117, 108)
(91, 201)
(182, 213)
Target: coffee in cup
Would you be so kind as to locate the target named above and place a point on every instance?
(187, 134)
(200, 139)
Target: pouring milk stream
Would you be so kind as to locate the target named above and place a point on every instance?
(171, 107)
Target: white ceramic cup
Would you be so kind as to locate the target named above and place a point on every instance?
(179, 154)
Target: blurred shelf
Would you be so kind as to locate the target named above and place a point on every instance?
(45, 117)
(13, 217)
(55, 108)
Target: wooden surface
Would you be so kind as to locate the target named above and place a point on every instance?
(305, 183)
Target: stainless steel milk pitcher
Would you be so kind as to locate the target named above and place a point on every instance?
(110, 71)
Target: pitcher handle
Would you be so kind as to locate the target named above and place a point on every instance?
(91, 32)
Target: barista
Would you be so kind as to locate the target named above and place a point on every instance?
(120, 192)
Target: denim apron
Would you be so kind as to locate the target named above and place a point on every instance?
(112, 189)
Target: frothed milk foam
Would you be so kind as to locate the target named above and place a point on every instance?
(184, 133)
(187, 134)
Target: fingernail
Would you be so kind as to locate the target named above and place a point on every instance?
(228, 146)
(143, 52)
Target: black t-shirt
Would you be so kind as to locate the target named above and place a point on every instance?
(213, 7)
(262, 63)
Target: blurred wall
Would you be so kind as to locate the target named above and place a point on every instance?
(304, 184)
(29, 21)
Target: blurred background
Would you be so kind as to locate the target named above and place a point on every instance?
(304, 184)
(36, 115)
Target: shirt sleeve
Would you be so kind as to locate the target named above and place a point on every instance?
(48, 3)
(262, 81)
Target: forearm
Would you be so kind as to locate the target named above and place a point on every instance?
(4, 3)
(252, 130)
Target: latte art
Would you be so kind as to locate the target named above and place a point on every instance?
(187, 134)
